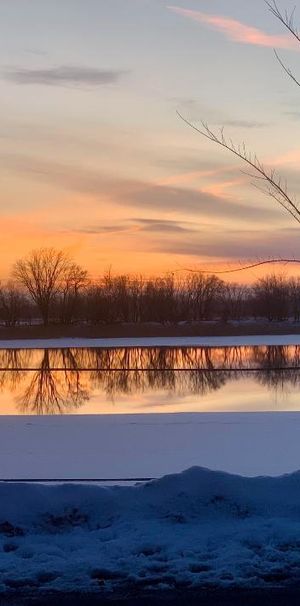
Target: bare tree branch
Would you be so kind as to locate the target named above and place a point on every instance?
(286, 18)
(244, 267)
(286, 69)
(270, 183)
(274, 185)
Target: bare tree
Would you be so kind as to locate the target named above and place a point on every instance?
(294, 296)
(13, 304)
(272, 297)
(202, 294)
(46, 273)
(74, 282)
(264, 178)
(233, 301)
(159, 302)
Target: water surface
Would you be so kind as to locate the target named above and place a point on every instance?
(134, 380)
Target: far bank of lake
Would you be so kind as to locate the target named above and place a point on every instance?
(149, 329)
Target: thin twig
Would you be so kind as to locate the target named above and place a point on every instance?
(286, 69)
(275, 187)
(236, 269)
(286, 18)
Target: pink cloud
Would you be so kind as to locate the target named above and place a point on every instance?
(220, 190)
(239, 32)
(291, 158)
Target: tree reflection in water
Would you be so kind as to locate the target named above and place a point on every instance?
(61, 380)
(279, 381)
(52, 391)
(12, 365)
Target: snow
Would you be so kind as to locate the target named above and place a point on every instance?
(151, 342)
(197, 529)
(148, 445)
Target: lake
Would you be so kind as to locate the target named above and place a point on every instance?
(149, 380)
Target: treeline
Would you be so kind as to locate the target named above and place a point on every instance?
(48, 286)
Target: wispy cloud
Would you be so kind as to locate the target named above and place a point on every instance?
(237, 31)
(137, 224)
(234, 244)
(220, 189)
(244, 123)
(94, 230)
(293, 115)
(135, 194)
(290, 158)
(192, 176)
(165, 226)
(64, 76)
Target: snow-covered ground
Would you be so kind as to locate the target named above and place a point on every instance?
(151, 342)
(198, 528)
(148, 445)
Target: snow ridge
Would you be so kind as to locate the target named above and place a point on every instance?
(199, 528)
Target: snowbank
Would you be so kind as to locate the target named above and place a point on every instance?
(196, 529)
(151, 342)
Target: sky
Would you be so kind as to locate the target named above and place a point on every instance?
(94, 157)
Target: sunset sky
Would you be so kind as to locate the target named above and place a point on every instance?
(94, 158)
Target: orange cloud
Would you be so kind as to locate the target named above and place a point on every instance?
(237, 31)
(194, 176)
(220, 190)
(289, 158)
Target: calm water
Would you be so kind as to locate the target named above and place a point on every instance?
(84, 381)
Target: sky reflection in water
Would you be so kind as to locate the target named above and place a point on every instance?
(112, 381)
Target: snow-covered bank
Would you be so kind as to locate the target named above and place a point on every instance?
(196, 529)
(151, 342)
(148, 445)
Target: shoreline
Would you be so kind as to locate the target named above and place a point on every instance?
(149, 330)
(205, 334)
(261, 340)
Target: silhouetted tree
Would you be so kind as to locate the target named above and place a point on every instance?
(294, 296)
(13, 304)
(159, 303)
(203, 294)
(233, 301)
(74, 283)
(47, 273)
(272, 297)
